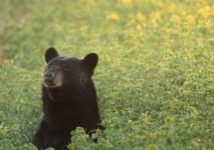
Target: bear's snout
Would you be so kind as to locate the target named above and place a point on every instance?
(49, 76)
(53, 79)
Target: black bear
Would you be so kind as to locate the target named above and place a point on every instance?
(68, 99)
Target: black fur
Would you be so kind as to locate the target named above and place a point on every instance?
(71, 105)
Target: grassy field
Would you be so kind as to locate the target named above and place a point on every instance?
(155, 77)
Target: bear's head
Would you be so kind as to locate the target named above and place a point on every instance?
(62, 70)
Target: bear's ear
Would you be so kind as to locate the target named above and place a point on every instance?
(90, 62)
(50, 54)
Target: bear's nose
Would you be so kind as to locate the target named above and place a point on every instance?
(49, 77)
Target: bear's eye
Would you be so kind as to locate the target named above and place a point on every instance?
(49, 66)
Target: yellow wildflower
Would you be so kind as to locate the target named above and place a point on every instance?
(83, 28)
(90, 3)
(201, 2)
(138, 28)
(206, 11)
(141, 17)
(59, 27)
(190, 19)
(172, 8)
(113, 16)
(175, 18)
(127, 3)
(155, 17)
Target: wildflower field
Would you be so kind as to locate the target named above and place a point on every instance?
(154, 80)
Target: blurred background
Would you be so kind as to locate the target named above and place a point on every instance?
(154, 78)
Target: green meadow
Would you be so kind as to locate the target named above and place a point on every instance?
(154, 79)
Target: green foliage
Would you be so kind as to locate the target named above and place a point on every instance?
(154, 80)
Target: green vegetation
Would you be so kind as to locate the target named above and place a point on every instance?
(155, 78)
